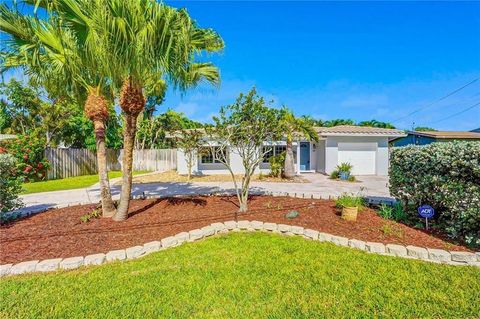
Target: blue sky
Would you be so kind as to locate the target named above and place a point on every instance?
(358, 60)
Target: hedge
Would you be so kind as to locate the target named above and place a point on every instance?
(10, 184)
(445, 176)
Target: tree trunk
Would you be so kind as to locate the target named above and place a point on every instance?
(289, 168)
(108, 208)
(127, 160)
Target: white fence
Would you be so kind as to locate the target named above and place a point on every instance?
(70, 162)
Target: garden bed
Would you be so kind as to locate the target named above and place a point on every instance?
(60, 233)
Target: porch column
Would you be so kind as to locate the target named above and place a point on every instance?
(298, 157)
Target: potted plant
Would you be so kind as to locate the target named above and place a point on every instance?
(350, 205)
(344, 170)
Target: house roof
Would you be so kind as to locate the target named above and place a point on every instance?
(351, 130)
(447, 134)
(4, 137)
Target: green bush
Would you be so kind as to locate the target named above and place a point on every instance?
(394, 212)
(277, 164)
(349, 200)
(10, 184)
(345, 167)
(335, 174)
(30, 153)
(445, 176)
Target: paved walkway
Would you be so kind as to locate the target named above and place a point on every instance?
(320, 185)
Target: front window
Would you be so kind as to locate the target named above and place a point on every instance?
(270, 151)
(207, 155)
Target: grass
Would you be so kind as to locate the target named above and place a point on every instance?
(68, 183)
(245, 275)
(173, 176)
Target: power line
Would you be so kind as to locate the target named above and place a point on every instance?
(458, 113)
(436, 101)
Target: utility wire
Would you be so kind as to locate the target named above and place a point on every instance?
(458, 113)
(436, 101)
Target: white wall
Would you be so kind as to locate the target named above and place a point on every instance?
(320, 156)
(381, 160)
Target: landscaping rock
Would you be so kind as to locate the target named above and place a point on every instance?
(152, 246)
(182, 237)
(292, 214)
(439, 255)
(417, 252)
(357, 244)
(478, 255)
(378, 248)
(48, 265)
(134, 252)
(218, 227)
(396, 250)
(116, 255)
(95, 259)
(72, 263)
(195, 234)
(257, 225)
(23, 267)
(310, 233)
(270, 226)
(170, 242)
(284, 228)
(324, 237)
(463, 256)
(474, 263)
(5, 269)
(244, 224)
(338, 240)
(297, 230)
(208, 231)
(231, 224)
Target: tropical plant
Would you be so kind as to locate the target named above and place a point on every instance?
(277, 164)
(349, 200)
(423, 129)
(345, 167)
(294, 128)
(66, 59)
(242, 128)
(10, 184)
(375, 123)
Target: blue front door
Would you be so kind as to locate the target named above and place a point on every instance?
(304, 156)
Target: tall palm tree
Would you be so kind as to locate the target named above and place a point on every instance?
(147, 40)
(293, 128)
(56, 56)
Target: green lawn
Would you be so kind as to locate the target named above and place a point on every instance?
(249, 275)
(68, 183)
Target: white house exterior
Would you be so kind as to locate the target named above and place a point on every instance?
(366, 148)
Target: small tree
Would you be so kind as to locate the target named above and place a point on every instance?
(10, 184)
(190, 141)
(242, 128)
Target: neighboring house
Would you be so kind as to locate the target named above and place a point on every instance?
(366, 148)
(428, 137)
(4, 137)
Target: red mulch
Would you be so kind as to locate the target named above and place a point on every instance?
(59, 232)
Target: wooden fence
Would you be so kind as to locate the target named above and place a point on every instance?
(70, 162)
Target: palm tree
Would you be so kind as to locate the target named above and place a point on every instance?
(293, 128)
(145, 41)
(56, 56)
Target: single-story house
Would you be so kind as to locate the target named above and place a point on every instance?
(428, 137)
(366, 148)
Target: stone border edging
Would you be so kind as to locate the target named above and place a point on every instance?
(410, 252)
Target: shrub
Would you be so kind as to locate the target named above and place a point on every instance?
(335, 174)
(10, 184)
(394, 212)
(445, 176)
(30, 153)
(345, 167)
(277, 164)
(349, 200)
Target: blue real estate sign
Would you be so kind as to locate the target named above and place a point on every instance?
(426, 211)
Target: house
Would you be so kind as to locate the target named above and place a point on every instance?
(428, 137)
(366, 148)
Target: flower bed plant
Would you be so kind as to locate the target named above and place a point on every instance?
(445, 176)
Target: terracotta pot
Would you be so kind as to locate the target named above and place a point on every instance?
(350, 213)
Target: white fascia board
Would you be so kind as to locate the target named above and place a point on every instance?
(364, 135)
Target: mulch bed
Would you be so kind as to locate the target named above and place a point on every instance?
(60, 233)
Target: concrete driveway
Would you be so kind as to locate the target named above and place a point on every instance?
(319, 186)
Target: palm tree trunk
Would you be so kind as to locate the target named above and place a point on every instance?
(108, 208)
(128, 144)
(289, 168)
